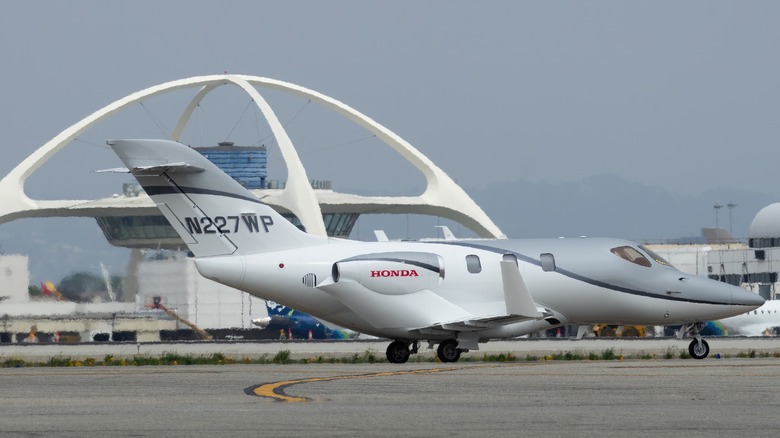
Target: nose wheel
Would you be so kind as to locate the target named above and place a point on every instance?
(698, 348)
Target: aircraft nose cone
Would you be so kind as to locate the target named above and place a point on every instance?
(744, 297)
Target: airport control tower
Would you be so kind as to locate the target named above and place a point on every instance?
(246, 164)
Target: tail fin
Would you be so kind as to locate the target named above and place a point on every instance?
(210, 211)
(276, 309)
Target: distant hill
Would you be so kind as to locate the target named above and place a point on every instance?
(607, 205)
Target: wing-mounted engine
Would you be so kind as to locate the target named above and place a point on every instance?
(392, 273)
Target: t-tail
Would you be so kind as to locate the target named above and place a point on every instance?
(211, 212)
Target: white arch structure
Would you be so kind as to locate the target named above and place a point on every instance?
(442, 196)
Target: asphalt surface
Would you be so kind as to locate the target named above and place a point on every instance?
(674, 398)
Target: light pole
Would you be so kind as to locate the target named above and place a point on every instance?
(717, 206)
(731, 206)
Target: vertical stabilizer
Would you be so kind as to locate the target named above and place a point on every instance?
(210, 211)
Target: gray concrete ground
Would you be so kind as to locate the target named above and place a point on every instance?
(659, 398)
(307, 349)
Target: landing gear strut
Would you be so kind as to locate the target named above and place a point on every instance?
(448, 351)
(698, 348)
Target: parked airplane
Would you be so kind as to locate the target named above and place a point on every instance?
(454, 293)
(301, 325)
(764, 321)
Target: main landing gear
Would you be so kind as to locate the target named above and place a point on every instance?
(698, 348)
(399, 351)
(448, 351)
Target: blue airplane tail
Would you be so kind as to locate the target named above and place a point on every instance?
(303, 323)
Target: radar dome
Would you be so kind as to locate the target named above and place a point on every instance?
(764, 231)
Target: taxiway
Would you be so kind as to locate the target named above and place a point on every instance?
(660, 398)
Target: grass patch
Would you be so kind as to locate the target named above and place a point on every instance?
(282, 357)
(12, 363)
(501, 357)
(367, 357)
(568, 355)
(609, 354)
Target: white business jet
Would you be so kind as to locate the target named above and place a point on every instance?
(454, 293)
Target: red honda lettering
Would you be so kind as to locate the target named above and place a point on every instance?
(395, 273)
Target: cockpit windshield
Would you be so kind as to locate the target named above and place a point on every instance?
(660, 260)
(632, 255)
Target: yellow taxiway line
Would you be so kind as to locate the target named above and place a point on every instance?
(276, 390)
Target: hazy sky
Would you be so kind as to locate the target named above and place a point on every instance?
(681, 95)
(678, 95)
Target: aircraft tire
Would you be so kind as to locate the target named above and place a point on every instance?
(698, 351)
(398, 352)
(448, 351)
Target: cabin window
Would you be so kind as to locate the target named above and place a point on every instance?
(473, 264)
(632, 255)
(548, 262)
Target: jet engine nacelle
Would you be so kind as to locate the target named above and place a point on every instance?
(392, 273)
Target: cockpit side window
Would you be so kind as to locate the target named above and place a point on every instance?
(632, 255)
(548, 262)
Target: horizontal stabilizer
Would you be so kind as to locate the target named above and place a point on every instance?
(168, 168)
(114, 170)
(518, 298)
(156, 169)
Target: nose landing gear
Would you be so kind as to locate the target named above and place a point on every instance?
(698, 348)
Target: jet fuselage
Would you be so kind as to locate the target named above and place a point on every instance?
(586, 284)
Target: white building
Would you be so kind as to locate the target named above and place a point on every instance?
(23, 319)
(207, 304)
(14, 279)
(754, 266)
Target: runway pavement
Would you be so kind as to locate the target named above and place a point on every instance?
(659, 398)
(307, 349)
